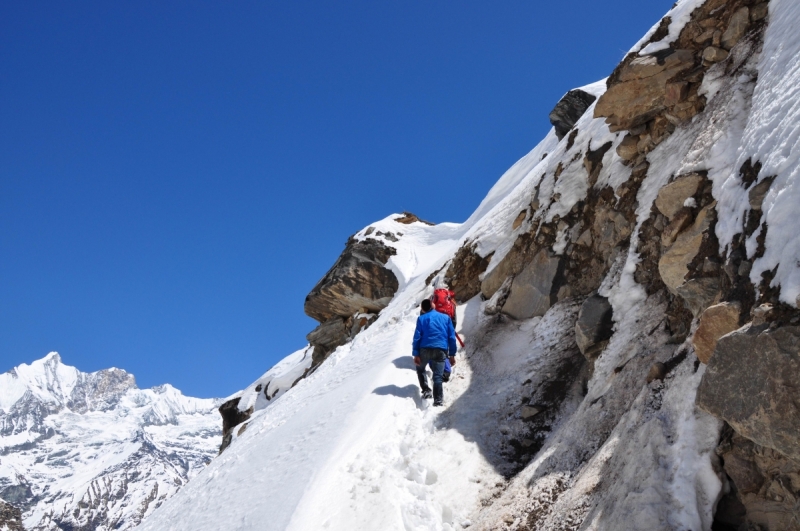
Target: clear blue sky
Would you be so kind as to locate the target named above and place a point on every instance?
(176, 176)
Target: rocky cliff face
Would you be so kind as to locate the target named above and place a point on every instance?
(629, 297)
(91, 450)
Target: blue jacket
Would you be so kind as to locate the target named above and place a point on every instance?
(434, 330)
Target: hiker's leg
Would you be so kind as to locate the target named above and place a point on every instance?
(437, 364)
(447, 370)
(423, 377)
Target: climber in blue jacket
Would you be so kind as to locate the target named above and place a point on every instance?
(434, 341)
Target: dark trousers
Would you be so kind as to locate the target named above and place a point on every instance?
(435, 357)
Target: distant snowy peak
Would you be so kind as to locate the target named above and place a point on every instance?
(92, 450)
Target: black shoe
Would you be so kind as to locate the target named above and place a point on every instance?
(438, 403)
(427, 394)
(446, 377)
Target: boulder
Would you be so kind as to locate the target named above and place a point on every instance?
(638, 93)
(712, 54)
(528, 412)
(715, 322)
(533, 291)
(700, 293)
(736, 28)
(751, 382)
(759, 11)
(595, 326)
(358, 279)
(628, 149)
(569, 109)
(671, 198)
(673, 265)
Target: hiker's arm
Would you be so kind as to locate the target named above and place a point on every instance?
(417, 339)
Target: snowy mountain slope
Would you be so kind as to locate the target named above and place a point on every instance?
(653, 207)
(91, 450)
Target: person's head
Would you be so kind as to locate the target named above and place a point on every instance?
(426, 306)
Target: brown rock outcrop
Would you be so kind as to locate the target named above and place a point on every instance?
(671, 198)
(715, 322)
(535, 289)
(641, 91)
(358, 279)
(673, 266)
(463, 275)
(752, 383)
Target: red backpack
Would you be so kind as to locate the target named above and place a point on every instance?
(443, 302)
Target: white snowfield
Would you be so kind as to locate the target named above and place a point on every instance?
(353, 447)
(94, 451)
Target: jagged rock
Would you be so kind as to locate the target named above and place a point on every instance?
(358, 279)
(231, 417)
(673, 265)
(463, 275)
(595, 326)
(715, 322)
(751, 383)
(569, 109)
(757, 193)
(628, 149)
(766, 483)
(639, 92)
(736, 28)
(532, 291)
(712, 54)
(10, 517)
(671, 198)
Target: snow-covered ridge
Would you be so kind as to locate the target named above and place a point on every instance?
(92, 450)
(646, 221)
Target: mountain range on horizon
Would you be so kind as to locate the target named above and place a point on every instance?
(92, 450)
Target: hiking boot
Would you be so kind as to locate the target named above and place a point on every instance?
(438, 403)
(427, 394)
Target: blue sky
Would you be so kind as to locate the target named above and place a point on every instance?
(176, 176)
